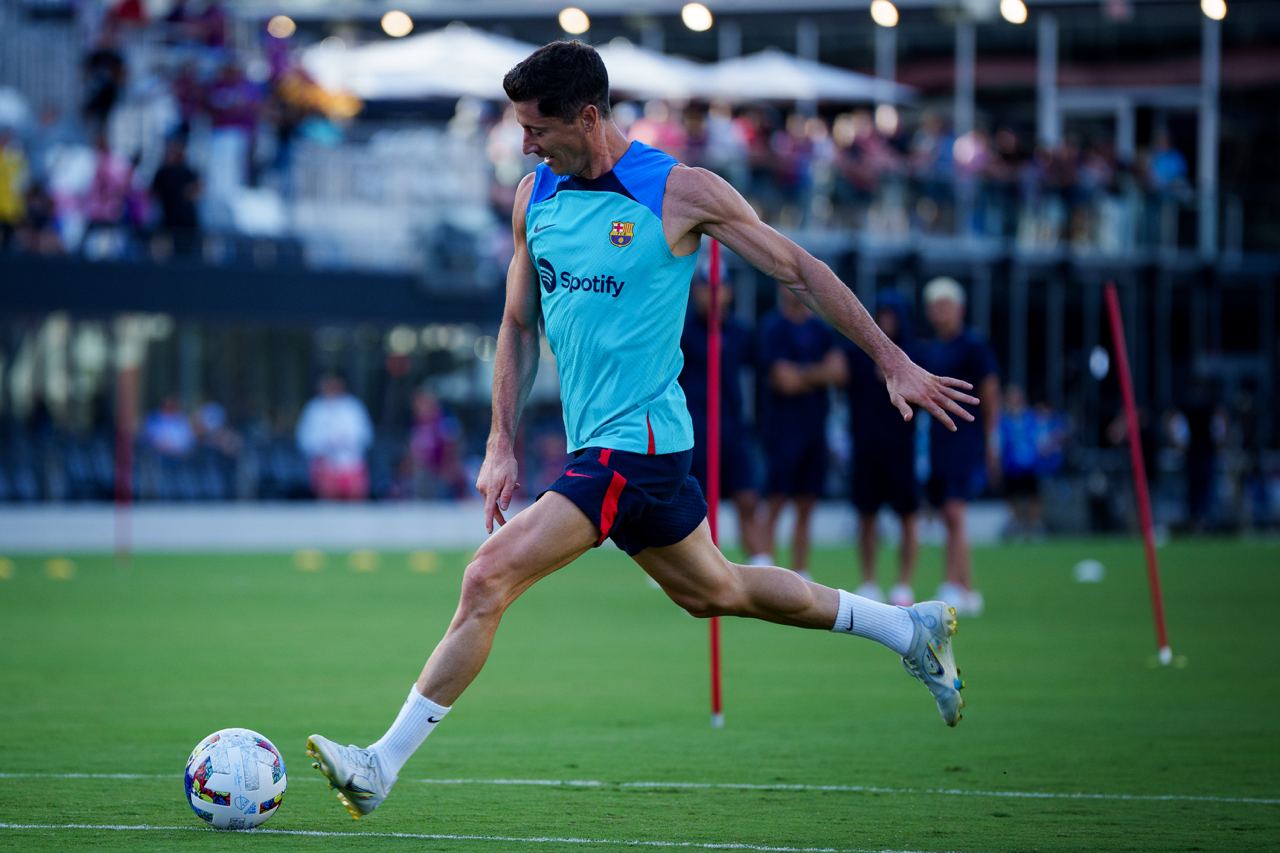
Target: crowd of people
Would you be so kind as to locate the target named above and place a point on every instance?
(69, 184)
(83, 181)
(887, 175)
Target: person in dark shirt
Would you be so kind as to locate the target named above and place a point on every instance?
(800, 362)
(1202, 429)
(884, 456)
(956, 459)
(176, 188)
(737, 473)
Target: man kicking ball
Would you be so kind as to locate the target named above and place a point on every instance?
(606, 237)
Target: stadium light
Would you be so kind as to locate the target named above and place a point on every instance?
(696, 17)
(397, 24)
(1013, 11)
(574, 21)
(884, 13)
(281, 27)
(1214, 10)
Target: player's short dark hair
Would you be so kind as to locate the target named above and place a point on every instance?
(563, 77)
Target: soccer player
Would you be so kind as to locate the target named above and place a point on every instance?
(606, 237)
(957, 457)
(736, 468)
(884, 457)
(800, 362)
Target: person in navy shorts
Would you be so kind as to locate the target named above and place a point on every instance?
(800, 363)
(963, 461)
(884, 457)
(737, 465)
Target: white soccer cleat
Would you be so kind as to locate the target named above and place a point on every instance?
(870, 590)
(930, 658)
(355, 773)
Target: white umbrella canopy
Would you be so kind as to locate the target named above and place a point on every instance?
(772, 75)
(646, 73)
(454, 61)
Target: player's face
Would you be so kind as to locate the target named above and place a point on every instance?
(561, 144)
(946, 316)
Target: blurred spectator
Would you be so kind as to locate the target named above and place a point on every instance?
(799, 363)
(176, 189)
(1199, 430)
(956, 458)
(1020, 459)
(198, 22)
(435, 450)
(104, 203)
(657, 128)
(38, 232)
(737, 473)
(334, 433)
(168, 430)
(884, 451)
(213, 431)
(1168, 166)
(234, 104)
(104, 77)
(188, 94)
(13, 177)
(883, 457)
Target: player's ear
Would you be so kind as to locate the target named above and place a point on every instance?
(589, 117)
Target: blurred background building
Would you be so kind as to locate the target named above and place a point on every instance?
(206, 206)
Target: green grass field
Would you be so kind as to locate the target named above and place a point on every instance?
(597, 678)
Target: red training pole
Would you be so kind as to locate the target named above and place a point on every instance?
(1164, 652)
(126, 404)
(713, 461)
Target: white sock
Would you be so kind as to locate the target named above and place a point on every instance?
(883, 623)
(417, 717)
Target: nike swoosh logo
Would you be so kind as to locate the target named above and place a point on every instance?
(576, 474)
(434, 719)
(850, 621)
(538, 229)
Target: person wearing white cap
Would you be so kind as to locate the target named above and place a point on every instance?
(956, 459)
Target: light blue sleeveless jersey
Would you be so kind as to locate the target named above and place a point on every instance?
(613, 301)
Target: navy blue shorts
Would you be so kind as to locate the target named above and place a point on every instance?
(885, 476)
(636, 500)
(736, 471)
(950, 481)
(797, 466)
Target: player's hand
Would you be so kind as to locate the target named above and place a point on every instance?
(496, 483)
(910, 385)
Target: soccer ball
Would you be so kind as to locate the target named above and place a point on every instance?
(235, 779)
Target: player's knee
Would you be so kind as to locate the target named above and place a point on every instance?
(484, 585)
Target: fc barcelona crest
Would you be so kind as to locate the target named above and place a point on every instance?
(621, 233)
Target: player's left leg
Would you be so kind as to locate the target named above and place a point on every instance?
(534, 543)
(700, 579)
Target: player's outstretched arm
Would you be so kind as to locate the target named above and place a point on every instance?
(699, 201)
(514, 366)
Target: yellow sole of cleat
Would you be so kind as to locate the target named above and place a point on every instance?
(328, 775)
(351, 809)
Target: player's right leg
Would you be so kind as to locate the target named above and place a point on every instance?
(698, 577)
(533, 544)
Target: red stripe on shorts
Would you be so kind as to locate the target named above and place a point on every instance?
(604, 456)
(609, 511)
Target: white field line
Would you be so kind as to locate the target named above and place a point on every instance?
(434, 836)
(747, 786)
